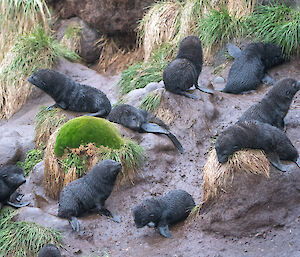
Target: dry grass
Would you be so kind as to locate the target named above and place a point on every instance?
(113, 58)
(159, 25)
(59, 172)
(216, 176)
(240, 8)
(46, 122)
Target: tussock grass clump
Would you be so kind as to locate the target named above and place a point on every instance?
(23, 239)
(219, 27)
(141, 74)
(46, 122)
(33, 157)
(59, 171)
(151, 101)
(33, 50)
(216, 176)
(277, 23)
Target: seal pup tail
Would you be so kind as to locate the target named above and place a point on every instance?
(154, 128)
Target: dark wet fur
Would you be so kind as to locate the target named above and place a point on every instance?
(49, 250)
(275, 104)
(89, 192)
(183, 72)
(171, 208)
(249, 68)
(11, 177)
(133, 118)
(70, 95)
(255, 135)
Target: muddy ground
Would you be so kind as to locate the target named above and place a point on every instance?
(195, 123)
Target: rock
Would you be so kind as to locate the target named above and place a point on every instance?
(36, 215)
(252, 203)
(219, 80)
(11, 149)
(107, 16)
(33, 189)
(89, 37)
(135, 97)
(153, 86)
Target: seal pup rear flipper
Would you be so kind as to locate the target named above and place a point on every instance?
(189, 95)
(204, 89)
(154, 128)
(100, 114)
(267, 80)
(275, 161)
(233, 50)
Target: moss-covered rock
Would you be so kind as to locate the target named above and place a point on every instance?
(84, 130)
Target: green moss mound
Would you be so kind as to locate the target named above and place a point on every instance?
(84, 130)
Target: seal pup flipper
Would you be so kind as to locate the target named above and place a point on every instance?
(233, 50)
(275, 161)
(164, 231)
(49, 108)
(176, 142)
(151, 224)
(204, 89)
(268, 80)
(74, 223)
(154, 128)
(189, 95)
(298, 162)
(100, 114)
(105, 212)
(18, 204)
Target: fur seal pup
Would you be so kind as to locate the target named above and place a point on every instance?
(49, 250)
(89, 192)
(275, 104)
(250, 65)
(141, 121)
(70, 95)
(162, 211)
(183, 72)
(11, 177)
(256, 135)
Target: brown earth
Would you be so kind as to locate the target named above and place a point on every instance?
(195, 123)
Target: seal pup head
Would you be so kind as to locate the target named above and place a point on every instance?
(107, 169)
(147, 212)
(41, 78)
(226, 145)
(13, 176)
(285, 89)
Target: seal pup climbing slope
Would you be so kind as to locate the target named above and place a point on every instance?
(275, 104)
(250, 66)
(256, 135)
(89, 192)
(70, 95)
(183, 72)
(163, 211)
(141, 121)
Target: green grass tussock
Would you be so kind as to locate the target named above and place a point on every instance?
(219, 27)
(33, 157)
(23, 239)
(277, 23)
(84, 130)
(151, 101)
(46, 122)
(141, 74)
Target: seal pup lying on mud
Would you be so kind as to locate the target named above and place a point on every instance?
(183, 72)
(250, 65)
(49, 250)
(141, 121)
(256, 135)
(70, 95)
(275, 104)
(89, 192)
(11, 177)
(160, 212)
